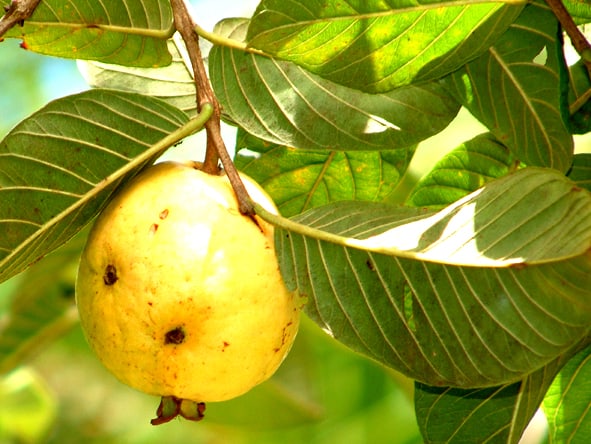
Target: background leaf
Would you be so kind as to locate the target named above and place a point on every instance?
(298, 180)
(496, 414)
(128, 32)
(462, 171)
(375, 45)
(173, 83)
(509, 291)
(43, 307)
(59, 166)
(287, 105)
(567, 402)
(518, 90)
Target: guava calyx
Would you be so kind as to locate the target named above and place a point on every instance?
(170, 407)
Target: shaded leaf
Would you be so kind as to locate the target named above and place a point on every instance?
(579, 98)
(481, 293)
(518, 90)
(375, 45)
(580, 172)
(462, 171)
(284, 104)
(173, 83)
(59, 166)
(496, 414)
(298, 180)
(128, 32)
(566, 404)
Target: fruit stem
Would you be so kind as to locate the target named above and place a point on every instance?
(216, 149)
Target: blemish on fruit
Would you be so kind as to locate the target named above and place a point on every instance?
(175, 336)
(163, 214)
(110, 276)
(153, 228)
(226, 345)
(370, 265)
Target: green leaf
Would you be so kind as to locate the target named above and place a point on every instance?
(43, 305)
(481, 293)
(462, 171)
(567, 402)
(377, 45)
(60, 166)
(496, 414)
(173, 83)
(287, 105)
(127, 32)
(579, 10)
(298, 180)
(517, 89)
(581, 170)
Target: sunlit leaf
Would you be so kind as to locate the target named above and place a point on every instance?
(566, 404)
(580, 11)
(298, 180)
(287, 105)
(462, 171)
(481, 293)
(517, 89)
(128, 32)
(377, 45)
(59, 166)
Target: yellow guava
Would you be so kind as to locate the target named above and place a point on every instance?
(179, 294)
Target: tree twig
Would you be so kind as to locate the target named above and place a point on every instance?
(16, 13)
(216, 149)
(578, 39)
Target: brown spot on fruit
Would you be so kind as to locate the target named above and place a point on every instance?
(153, 228)
(175, 336)
(163, 214)
(110, 276)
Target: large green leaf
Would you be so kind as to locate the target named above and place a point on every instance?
(488, 415)
(481, 293)
(287, 105)
(376, 45)
(59, 166)
(567, 402)
(518, 90)
(127, 32)
(298, 180)
(462, 171)
(172, 83)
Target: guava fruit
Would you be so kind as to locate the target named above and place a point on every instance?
(179, 294)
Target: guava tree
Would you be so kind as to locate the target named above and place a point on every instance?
(475, 282)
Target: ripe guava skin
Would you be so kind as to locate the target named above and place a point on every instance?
(179, 294)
